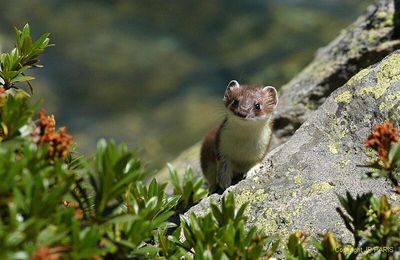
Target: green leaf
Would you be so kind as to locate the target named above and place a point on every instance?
(21, 78)
(394, 154)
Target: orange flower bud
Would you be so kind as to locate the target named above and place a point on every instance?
(382, 138)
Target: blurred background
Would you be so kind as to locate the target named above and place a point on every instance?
(152, 73)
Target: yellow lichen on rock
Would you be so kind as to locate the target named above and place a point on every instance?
(367, 118)
(390, 101)
(387, 17)
(340, 126)
(297, 179)
(345, 97)
(388, 74)
(366, 90)
(256, 179)
(343, 163)
(343, 133)
(321, 187)
(267, 222)
(251, 197)
(333, 148)
(359, 76)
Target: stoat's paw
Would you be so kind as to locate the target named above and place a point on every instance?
(225, 174)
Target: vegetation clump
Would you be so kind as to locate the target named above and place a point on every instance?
(55, 204)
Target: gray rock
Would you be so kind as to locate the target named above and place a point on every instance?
(296, 185)
(368, 40)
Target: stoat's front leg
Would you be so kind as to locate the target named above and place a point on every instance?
(224, 173)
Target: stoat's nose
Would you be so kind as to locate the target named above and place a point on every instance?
(246, 107)
(241, 113)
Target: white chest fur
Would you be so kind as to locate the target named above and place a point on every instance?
(244, 142)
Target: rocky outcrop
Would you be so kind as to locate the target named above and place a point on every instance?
(330, 107)
(368, 40)
(296, 186)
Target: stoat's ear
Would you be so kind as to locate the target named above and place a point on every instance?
(272, 97)
(232, 84)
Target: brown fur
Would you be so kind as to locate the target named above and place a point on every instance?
(209, 153)
(250, 95)
(242, 102)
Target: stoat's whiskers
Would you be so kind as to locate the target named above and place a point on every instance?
(220, 111)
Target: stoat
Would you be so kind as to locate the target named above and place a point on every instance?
(243, 138)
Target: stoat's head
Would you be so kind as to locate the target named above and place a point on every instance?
(250, 102)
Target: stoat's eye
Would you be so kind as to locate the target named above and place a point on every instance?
(235, 102)
(257, 106)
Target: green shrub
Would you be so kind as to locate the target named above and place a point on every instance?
(23, 57)
(56, 204)
(221, 234)
(191, 189)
